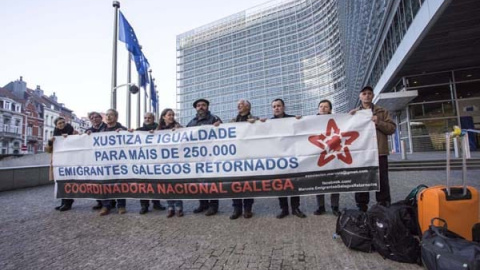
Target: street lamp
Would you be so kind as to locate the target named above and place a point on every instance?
(133, 88)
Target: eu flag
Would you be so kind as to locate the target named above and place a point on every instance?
(153, 94)
(127, 35)
(142, 66)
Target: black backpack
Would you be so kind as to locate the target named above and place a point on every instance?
(444, 249)
(352, 227)
(393, 229)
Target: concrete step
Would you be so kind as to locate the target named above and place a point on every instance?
(411, 165)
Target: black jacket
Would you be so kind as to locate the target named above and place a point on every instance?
(95, 130)
(284, 116)
(209, 119)
(68, 129)
(148, 127)
(117, 126)
(244, 118)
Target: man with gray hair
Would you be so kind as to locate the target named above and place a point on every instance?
(244, 115)
(149, 125)
(112, 124)
(97, 126)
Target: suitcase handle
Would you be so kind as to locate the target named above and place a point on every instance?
(464, 142)
(457, 194)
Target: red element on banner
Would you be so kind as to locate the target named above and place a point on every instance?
(334, 144)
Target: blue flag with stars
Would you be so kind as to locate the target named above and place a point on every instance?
(153, 94)
(127, 35)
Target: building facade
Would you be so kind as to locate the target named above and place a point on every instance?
(27, 118)
(420, 56)
(283, 49)
(11, 124)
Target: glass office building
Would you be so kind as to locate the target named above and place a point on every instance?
(420, 56)
(282, 49)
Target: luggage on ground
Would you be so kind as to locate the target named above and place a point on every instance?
(352, 226)
(457, 205)
(393, 231)
(445, 250)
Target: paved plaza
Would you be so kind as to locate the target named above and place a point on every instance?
(35, 236)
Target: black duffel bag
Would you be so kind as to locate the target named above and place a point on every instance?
(444, 249)
(352, 227)
(393, 230)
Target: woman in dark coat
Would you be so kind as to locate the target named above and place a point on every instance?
(61, 129)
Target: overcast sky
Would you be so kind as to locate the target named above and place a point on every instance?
(65, 46)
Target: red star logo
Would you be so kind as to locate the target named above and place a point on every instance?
(334, 144)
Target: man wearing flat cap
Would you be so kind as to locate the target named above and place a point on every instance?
(384, 126)
(204, 117)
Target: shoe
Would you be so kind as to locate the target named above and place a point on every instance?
(180, 213)
(159, 207)
(298, 213)
(362, 207)
(211, 211)
(122, 210)
(335, 211)
(248, 214)
(319, 211)
(98, 206)
(236, 214)
(199, 209)
(65, 207)
(283, 214)
(144, 210)
(104, 211)
(170, 213)
(58, 207)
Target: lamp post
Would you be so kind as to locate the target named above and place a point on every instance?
(133, 90)
(113, 98)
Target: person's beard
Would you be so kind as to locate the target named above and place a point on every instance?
(201, 113)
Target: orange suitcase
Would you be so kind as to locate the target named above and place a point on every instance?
(458, 205)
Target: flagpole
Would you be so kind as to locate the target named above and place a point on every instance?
(129, 97)
(158, 100)
(150, 96)
(116, 5)
(139, 102)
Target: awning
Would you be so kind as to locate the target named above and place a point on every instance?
(395, 101)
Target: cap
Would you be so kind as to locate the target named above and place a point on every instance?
(200, 100)
(366, 88)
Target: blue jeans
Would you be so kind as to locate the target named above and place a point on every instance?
(172, 204)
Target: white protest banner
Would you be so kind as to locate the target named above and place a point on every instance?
(279, 157)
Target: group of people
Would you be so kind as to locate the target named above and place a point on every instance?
(383, 122)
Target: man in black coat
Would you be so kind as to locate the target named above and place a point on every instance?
(97, 126)
(244, 115)
(204, 117)
(148, 125)
(278, 107)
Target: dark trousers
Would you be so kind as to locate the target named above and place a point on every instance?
(294, 202)
(242, 204)
(209, 203)
(68, 202)
(334, 200)
(384, 194)
(146, 203)
(121, 203)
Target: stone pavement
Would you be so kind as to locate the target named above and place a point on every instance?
(35, 236)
